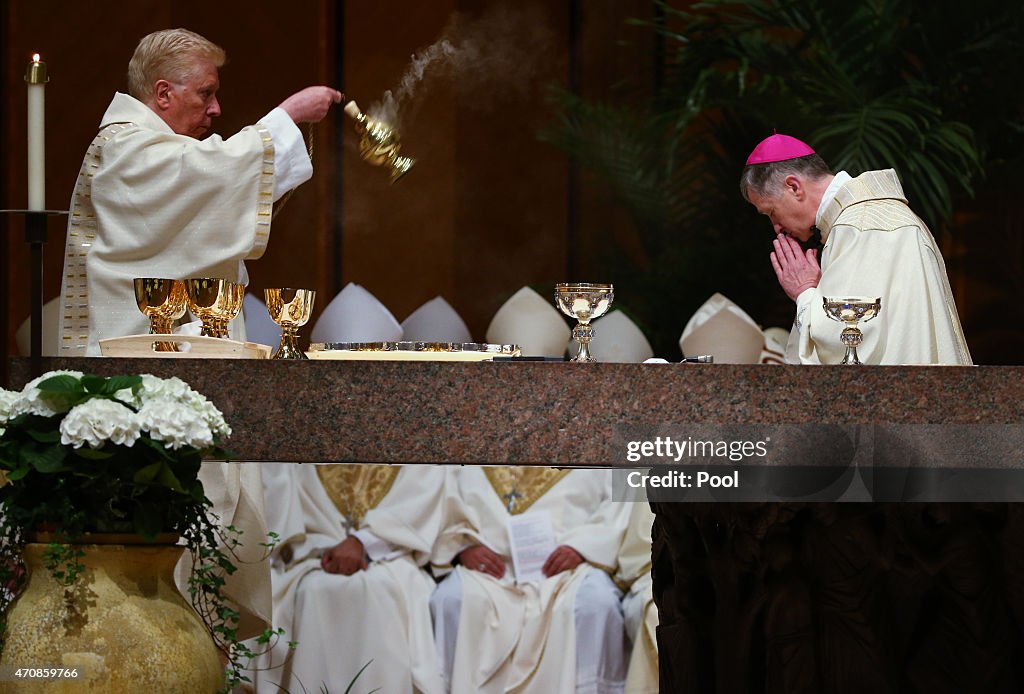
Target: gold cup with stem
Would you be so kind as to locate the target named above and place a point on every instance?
(291, 309)
(851, 311)
(229, 307)
(584, 301)
(211, 300)
(162, 300)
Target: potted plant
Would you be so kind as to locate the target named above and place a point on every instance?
(83, 457)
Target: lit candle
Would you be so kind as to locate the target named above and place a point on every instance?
(35, 75)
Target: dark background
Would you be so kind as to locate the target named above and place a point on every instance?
(491, 205)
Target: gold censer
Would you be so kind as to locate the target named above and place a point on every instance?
(379, 142)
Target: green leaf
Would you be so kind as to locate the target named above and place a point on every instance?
(116, 383)
(147, 474)
(50, 436)
(61, 385)
(93, 453)
(167, 479)
(156, 446)
(46, 460)
(93, 384)
(18, 473)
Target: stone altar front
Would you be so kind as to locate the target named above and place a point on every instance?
(763, 597)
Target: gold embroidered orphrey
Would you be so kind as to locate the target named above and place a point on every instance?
(520, 486)
(355, 489)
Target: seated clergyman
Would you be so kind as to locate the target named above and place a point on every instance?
(348, 577)
(531, 606)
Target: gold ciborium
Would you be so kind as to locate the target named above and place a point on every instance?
(585, 302)
(163, 301)
(851, 311)
(379, 142)
(289, 308)
(212, 301)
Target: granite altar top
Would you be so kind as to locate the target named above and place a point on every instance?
(550, 413)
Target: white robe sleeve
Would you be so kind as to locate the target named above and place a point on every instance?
(292, 166)
(805, 353)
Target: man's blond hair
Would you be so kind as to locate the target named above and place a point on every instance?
(168, 55)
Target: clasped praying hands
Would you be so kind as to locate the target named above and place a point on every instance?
(796, 268)
(345, 558)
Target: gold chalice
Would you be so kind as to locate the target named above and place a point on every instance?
(379, 142)
(229, 307)
(851, 311)
(163, 301)
(209, 298)
(290, 308)
(584, 302)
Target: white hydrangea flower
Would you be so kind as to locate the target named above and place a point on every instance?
(97, 421)
(211, 414)
(174, 423)
(129, 398)
(7, 400)
(174, 389)
(32, 401)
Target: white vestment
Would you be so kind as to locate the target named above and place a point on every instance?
(561, 634)
(875, 246)
(379, 614)
(639, 611)
(151, 203)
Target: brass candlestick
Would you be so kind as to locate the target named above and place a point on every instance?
(379, 142)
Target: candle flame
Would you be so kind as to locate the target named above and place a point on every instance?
(35, 57)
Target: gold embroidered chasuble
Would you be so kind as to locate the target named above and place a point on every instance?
(519, 487)
(380, 614)
(355, 489)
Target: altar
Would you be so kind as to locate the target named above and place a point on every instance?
(786, 596)
(543, 413)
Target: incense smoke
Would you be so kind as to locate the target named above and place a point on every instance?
(488, 58)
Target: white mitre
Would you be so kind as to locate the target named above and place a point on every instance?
(435, 321)
(529, 320)
(356, 315)
(725, 331)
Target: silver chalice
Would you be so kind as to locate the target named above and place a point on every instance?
(851, 311)
(585, 302)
